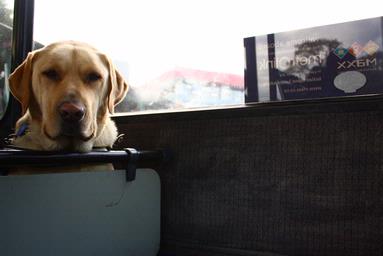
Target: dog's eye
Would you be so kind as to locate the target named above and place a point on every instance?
(93, 77)
(52, 74)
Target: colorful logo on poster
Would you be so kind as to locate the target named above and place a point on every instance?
(357, 49)
(371, 47)
(340, 52)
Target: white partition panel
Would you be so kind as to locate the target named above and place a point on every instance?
(91, 213)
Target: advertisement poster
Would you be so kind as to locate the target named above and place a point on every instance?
(330, 61)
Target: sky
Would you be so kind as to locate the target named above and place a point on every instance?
(149, 37)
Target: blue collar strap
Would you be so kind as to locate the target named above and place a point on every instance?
(22, 130)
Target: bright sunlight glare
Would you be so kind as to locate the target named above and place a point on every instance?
(151, 37)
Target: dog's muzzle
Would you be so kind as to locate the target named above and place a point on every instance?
(71, 114)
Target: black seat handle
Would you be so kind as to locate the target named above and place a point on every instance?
(128, 157)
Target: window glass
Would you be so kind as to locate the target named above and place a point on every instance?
(6, 16)
(182, 54)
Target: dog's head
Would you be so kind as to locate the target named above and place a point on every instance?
(69, 88)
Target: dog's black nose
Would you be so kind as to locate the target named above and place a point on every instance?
(71, 111)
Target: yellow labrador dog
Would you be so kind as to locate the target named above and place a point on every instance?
(67, 91)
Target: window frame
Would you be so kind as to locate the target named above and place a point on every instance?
(22, 44)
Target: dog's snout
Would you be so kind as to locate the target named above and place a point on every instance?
(71, 111)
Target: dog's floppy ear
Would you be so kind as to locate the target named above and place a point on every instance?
(20, 82)
(117, 87)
